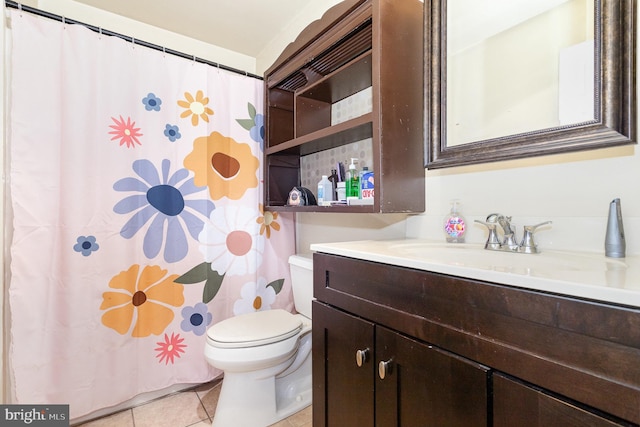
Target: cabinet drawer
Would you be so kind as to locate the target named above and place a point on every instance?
(518, 404)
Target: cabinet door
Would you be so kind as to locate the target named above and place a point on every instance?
(423, 386)
(516, 404)
(343, 391)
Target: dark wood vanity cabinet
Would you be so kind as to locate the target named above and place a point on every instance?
(461, 352)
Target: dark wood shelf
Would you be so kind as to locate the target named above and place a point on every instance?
(343, 133)
(326, 209)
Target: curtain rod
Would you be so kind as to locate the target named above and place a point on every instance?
(39, 12)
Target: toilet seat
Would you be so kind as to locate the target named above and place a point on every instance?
(254, 329)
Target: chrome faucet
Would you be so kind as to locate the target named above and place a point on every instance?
(509, 242)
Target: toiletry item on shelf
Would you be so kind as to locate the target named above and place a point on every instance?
(301, 196)
(353, 180)
(614, 242)
(333, 178)
(366, 183)
(341, 191)
(455, 225)
(325, 191)
(340, 171)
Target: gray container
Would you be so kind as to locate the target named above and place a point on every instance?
(614, 242)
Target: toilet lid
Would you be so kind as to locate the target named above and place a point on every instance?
(253, 329)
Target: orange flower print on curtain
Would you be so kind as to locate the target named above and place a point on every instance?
(268, 221)
(227, 167)
(141, 300)
(195, 107)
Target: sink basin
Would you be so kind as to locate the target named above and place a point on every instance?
(545, 264)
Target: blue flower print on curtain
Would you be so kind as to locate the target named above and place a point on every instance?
(162, 200)
(85, 245)
(172, 132)
(196, 319)
(151, 102)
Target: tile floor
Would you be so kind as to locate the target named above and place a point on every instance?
(190, 408)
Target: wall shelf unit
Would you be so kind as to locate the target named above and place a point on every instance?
(357, 45)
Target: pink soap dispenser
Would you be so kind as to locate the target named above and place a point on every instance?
(455, 225)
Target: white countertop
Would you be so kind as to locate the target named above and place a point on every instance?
(586, 275)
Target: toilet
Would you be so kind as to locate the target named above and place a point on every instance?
(266, 358)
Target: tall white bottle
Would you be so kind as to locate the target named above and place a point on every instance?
(325, 190)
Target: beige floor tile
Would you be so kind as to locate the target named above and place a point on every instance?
(120, 419)
(201, 424)
(283, 423)
(193, 408)
(209, 394)
(178, 410)
(301, 418)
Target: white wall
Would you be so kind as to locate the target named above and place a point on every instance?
(3, 295)
(573, 191)
(141, 31)
(288, 34)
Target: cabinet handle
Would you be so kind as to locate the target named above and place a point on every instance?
(361, 357)
(384, 368)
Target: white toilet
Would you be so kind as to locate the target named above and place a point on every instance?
(266, 358)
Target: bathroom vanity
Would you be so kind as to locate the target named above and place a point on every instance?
(412, 333)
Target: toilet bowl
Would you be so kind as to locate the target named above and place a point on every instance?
(266, 358)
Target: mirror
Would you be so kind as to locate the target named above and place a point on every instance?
(519, 78)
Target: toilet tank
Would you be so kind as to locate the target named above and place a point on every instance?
(301, 267)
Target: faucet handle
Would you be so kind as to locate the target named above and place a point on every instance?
(528, 245)
(491, 218)
(492, 241)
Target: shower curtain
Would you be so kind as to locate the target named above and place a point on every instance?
(135, 189)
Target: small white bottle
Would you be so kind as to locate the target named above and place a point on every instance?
(325, 190)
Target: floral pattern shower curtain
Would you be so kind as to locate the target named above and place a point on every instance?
(136, 217)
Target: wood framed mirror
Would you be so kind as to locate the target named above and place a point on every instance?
(508, 79)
